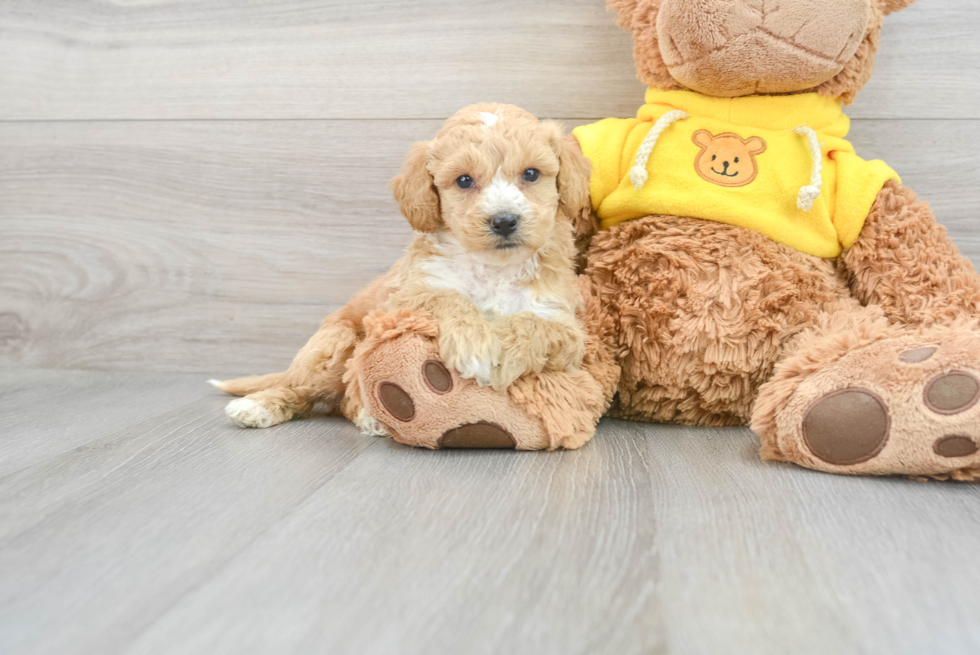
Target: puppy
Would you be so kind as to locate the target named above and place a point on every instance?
(497, 201)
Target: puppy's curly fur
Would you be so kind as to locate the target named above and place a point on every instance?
(505, 300)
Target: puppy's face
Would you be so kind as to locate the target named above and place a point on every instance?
(490, 178)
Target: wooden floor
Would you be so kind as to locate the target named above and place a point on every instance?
(135, 519)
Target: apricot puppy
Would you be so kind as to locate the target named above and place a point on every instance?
(492, 262)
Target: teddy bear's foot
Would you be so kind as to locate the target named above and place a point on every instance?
(901, 402)
(398, 386)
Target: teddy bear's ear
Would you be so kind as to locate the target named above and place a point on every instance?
(624, 11)
(415, 191)
(891, 6)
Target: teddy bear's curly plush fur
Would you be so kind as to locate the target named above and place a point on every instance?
(867, 363)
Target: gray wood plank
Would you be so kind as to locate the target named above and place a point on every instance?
(181, 534)
(221, 245)
(397, 59)
(76, 406)
(652, 539)
(95, 543)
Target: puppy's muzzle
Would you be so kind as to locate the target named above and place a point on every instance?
(504, 224)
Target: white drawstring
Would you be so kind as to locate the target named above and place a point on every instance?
(811, 192)
(638, 174)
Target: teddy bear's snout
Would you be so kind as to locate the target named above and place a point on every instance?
(742, 47)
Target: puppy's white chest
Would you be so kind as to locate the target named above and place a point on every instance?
(496, 290)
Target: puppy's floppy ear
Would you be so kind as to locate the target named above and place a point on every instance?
(574, 171)
(624, 11)
(891, 6)
(415, 191)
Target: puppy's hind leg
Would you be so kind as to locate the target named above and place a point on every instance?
(317, 371)
(316, 374)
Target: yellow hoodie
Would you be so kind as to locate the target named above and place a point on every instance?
(743, 161)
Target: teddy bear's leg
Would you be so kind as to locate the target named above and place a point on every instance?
(891, 387)
(397, 385)
(859, 394)
(905, 263)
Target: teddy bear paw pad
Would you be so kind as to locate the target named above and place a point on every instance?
(847, 426)
(954, 445)
(952, 393)
(481, 434)
(907, 405)
(421, 402)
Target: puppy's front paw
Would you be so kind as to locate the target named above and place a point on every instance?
(248, 413)
(473, 351)
(515, 362)
(568, 355)
(471, 367)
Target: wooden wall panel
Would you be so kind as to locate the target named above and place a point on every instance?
(220, 245)
(69, 60)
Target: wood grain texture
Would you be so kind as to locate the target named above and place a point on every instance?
(97, 541)
(221, 245)
(178, 533)
(396, 59)
(39, 409)
(309, 59)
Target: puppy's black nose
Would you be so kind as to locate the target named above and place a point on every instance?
(504, 224)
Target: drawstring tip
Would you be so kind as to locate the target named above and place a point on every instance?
(807, 195)
(638, 176)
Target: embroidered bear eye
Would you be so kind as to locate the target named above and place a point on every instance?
(531, 175)
(714, 157)
(736, 160)
(464, 181)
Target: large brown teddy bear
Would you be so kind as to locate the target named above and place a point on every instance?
(743, 265)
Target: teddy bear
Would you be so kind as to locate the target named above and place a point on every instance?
(741, 264)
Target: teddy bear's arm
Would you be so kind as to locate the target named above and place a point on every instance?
(904, 262)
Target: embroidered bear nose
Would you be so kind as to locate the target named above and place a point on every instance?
(504, 224)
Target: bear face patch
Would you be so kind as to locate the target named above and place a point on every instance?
(727, 159)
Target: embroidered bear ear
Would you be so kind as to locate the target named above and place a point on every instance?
(702, 138)
(756, 145)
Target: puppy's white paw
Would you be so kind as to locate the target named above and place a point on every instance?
(369, 425)
(472, 367)
(249, 414)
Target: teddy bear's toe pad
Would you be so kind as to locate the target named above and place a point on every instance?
(847, 426)
(952, 393)
(954, 445)
(917, 355)
(481, 434)
(397, 401)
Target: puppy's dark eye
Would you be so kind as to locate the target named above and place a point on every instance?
(531, 175)
(736, 160)
(464, 181)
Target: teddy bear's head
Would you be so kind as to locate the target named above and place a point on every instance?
(730, 48)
